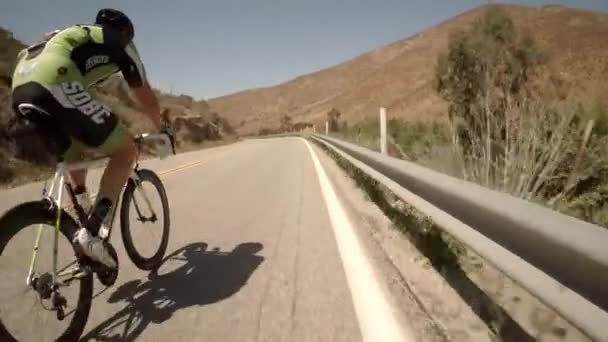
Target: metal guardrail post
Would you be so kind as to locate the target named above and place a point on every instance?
(383, 138)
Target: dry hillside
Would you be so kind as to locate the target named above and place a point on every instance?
(400, 76)
(192, 119)
(9, 47)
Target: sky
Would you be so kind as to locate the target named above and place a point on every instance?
(209, 48)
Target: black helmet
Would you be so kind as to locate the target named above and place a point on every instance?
(118, 20)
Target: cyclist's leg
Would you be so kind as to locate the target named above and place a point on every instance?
(95, 127)
(78, 178)
(84, 120)
(120, 147)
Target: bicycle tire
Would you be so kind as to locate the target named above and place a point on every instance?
(155, 260)
(38, 212)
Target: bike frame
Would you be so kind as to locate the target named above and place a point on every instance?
(55, 196)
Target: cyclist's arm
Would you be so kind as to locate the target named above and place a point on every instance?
(134, 73)
(148, 103)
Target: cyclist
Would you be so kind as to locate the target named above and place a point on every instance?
(56, 76)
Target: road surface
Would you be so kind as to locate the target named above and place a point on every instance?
(260, 250)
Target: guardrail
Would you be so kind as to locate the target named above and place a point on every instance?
(561, 260)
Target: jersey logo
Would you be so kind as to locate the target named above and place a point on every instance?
(82, 100)
(93, 61)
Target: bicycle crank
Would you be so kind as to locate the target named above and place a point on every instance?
(107, 276)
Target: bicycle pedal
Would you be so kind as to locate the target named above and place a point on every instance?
(60, 314)
(59, 302)
(107, 276)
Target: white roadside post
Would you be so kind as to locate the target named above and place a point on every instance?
(383, 146)
(326, 127)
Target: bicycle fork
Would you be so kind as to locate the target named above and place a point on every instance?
(142, 192)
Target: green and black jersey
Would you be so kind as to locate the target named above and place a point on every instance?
(56, 76)
(88, 53)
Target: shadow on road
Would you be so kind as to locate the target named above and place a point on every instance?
(199, 277)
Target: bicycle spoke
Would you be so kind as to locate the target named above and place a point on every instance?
(23, 305)
(35, 314)
(150, 214)
(39, 235)
(64, 268)
(141, 217)
(142, 192)
(72, 310)
(71, 277)
(139, 214)
(17, 295)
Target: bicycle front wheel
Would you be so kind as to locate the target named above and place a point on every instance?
(30, 318)
(145, 205)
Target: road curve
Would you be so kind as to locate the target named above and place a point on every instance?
(252, 256)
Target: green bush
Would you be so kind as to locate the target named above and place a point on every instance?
(415, 139)
(513, 136)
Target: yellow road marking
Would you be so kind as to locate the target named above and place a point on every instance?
(189, 165)
(163, 173)
(196, 163)
(166, 172)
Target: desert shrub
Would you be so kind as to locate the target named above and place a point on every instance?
(510, 135)
(286, 124)
(333, 119)
(406, 139)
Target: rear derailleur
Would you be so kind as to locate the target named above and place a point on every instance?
(48, 289)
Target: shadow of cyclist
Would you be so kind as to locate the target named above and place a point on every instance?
(201, 277)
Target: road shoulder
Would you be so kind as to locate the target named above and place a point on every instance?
(479, 305)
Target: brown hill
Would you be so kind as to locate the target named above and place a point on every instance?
(400, 76)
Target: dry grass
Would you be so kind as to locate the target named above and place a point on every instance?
(400, 75)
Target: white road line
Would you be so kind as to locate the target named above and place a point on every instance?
(376, 317)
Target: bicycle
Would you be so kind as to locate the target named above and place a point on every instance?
(49, 211)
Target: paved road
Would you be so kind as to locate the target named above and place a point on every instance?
(255, 255)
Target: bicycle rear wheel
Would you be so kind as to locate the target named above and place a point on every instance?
(39, 213)
(145, 212)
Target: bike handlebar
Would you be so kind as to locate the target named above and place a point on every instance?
(165, 138)
(166, 135)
